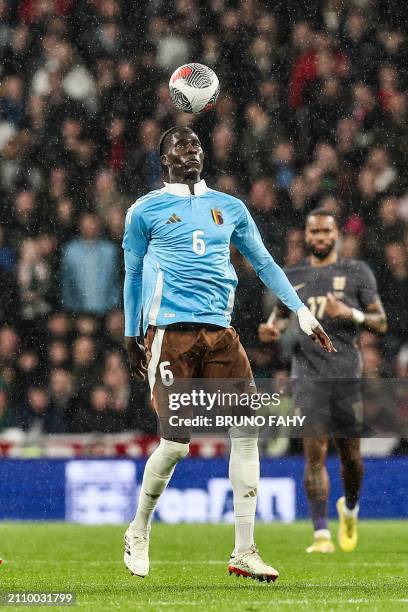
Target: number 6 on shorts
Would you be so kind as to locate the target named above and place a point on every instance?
(166, 374)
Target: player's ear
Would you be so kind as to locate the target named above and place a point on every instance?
(164, 160)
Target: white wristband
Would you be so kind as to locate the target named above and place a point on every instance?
(307, 322)
(358, 316)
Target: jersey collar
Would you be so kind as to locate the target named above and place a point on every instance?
(181, 189)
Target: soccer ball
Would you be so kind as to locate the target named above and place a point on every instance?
(194, 88)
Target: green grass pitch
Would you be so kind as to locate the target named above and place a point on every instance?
(188, 570)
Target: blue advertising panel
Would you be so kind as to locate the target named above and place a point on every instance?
(105, 490)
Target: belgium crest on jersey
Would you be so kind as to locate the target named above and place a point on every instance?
(217, 216)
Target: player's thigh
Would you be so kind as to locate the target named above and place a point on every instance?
(226, 365)
(311, 398)
(171, 363)
(347, 408)
(170, 355)
(226, 357)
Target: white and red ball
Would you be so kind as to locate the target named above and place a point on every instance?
(194, 88)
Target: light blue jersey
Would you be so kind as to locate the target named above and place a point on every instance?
(177, 257)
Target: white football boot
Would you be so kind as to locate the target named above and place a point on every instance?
(136, 555)
(250, 565)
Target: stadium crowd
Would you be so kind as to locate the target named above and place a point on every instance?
(313, 111)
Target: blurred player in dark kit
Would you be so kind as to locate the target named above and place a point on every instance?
(342, 294)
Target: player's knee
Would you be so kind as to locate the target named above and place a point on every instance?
(176, 449)
(244, 446)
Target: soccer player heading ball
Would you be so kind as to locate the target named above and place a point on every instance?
(177, 259)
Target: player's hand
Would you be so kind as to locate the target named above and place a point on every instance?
(337, 309)
(268, 332)
(137, 357)
(312, 328)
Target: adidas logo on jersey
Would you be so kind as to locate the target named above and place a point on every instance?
(173, 219)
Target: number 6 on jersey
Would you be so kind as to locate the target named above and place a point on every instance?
(198, 243)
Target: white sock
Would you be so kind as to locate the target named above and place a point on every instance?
(158, 471)
(322, 533)
(244, 477)
(353, 513)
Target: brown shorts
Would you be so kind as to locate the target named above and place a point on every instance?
(189, 354)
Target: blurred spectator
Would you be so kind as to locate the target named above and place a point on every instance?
(84, 359)
(114, 330)
(359, 46)
(12, 104)
(378, 161)
(26, 221)
(58, 354)
(63, 407)
(271, 220)
(284, 165)
(34, 279)
(221, 159)
(9, 345)
(115, 221)
(173, 49)
(350, 247)
(64, 226)
(58, 56)
(59, 325)
(6, 413)
(387, 85)
(89, 271)
(100, 415)
(35, 413)
(9, 298)
(115, 147)
(258, 140)
(106, 195)
(366, 112)
(142, 169)
(394, 291)
(393, 133)
(8, 255)
(116, 380)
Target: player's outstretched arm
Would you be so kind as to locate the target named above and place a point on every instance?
(132, 298)
(248, 241)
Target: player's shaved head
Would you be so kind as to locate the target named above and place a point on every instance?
(321, 212)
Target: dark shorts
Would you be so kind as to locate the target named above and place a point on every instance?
(331, 407)
(183, 357)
